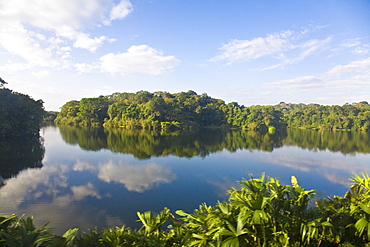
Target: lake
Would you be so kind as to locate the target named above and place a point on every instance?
(87, 177)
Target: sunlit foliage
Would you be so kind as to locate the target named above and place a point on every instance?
(184, 110)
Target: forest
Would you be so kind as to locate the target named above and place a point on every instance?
(184, 110)
(20, 115)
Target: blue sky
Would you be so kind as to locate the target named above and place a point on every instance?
(251, 52)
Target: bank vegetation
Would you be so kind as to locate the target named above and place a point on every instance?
(184, 110)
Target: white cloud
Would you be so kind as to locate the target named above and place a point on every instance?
(41, 74)
(358, 71)
(85, 68)
(121, 10)
(17, 41)
(298, 83)
(137, 59)
(84, 41)
(363, 49)
(244, 50)
(285, 46)
(361, 66)
(40, 31)
(313, 45)
(357, 46)
(12, 66)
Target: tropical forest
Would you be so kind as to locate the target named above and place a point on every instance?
(184, 110)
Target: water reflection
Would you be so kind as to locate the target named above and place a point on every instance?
(53, 193)
(102, 177)
(336, 141)
(146, 144)
(138, 178)
(331, 166)
(47, 194)
(17, 154)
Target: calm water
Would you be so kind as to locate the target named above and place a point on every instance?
(81, 177)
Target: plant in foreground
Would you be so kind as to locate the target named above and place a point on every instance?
(262, 212)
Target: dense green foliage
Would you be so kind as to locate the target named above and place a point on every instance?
(145, 110)
(163, 110)
(354, 116)
(50, 116)
(262, 212)
(19, 114)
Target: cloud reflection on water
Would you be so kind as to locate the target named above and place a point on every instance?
(50, 193)
(56, 199)
(332, 166)
(138, 178)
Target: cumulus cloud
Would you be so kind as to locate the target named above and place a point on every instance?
(39, 31)
(84, 41)
(278, 45)
(137, 59)
(17, 41)
(121, 10)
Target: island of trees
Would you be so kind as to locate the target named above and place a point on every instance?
(163, 110)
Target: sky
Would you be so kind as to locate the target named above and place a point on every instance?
(246, 51)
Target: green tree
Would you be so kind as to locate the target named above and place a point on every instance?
(2, 82)
(19, 114)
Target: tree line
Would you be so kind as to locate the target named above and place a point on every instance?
(163, 110)
(19, 114)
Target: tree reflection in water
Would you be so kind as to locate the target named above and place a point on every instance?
(144, 144)
(18, 153)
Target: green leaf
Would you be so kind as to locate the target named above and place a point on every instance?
(294, 181)
(365, 208)
(181, 213)
(231, 242)
(361, 225)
